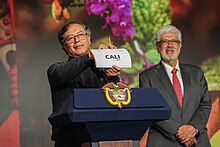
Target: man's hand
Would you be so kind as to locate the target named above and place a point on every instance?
(114, 71)
(90, 55)
(191, 142)
(109, 46)
(186, 133)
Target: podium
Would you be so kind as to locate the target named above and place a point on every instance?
(93, 119)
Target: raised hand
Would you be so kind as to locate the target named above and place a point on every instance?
(114, 71)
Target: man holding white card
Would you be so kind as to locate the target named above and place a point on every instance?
(108, 57)
(78, 71)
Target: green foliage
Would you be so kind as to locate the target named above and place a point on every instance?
(211, 69)
(148, 16)
(153, 56)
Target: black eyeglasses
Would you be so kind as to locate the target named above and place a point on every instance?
(71, 38)
(166, 41)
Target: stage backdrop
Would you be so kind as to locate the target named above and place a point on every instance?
(28, 46)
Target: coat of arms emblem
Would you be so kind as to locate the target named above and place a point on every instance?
(117, 95)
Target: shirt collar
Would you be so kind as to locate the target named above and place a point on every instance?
(169, 68)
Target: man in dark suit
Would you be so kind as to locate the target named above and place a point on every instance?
(78, 71)
(185, 89)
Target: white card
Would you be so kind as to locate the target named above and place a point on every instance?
(106, 58)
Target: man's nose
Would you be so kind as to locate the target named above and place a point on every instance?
(76, 39)
(169, 43)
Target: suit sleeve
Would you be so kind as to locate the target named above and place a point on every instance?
(200, 117)
(114, 79)
(63, 72)
(107, 79)
(168, 127)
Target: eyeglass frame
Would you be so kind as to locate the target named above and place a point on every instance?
(74, 37)
(167, 41)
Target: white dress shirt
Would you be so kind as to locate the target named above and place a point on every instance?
(169, 68)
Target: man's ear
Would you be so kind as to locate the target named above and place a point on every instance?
(89, 38)
(64, 47)
(158, 46)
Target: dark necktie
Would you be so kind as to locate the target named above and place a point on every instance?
(177, 87)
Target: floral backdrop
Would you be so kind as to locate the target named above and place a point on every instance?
(131, 24)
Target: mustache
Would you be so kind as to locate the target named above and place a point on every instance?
(77, 45)
(170, 48)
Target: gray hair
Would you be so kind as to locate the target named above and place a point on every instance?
(169, 29)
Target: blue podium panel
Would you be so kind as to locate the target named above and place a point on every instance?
(103, 121)
(121, 130)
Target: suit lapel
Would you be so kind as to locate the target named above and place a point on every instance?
(185, 78)
(164, 79)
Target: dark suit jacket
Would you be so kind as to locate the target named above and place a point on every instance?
(196, 104)
(63, 77)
